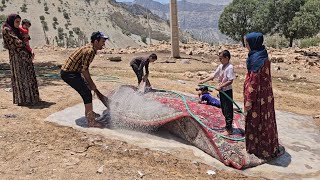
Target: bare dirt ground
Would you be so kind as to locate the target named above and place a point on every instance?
(33, 149)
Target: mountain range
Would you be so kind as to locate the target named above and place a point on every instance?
(197, 17)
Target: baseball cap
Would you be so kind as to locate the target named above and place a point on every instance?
(98, 35)
(203, 88)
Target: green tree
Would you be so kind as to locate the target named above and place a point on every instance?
(286, 11)
(265, 17)
(237, 19)
(306, 22)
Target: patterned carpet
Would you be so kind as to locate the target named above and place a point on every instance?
(165, 109)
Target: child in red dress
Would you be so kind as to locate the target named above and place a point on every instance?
(24, 30)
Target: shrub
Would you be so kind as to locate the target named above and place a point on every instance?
(60, 33)
(127, 33)
(65, 15)
(144, 39)
(76, 30)
(276, 41)
(314, 41)
(42, 18)
(3, 18)
(45, 25)
(24, 8)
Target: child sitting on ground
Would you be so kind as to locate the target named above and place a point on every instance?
(206, 98)
(24, 30)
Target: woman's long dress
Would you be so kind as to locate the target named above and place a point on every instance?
(261, 127)
(23, 77)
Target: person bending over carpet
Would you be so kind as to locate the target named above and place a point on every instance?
(139, 63)
(76, 66)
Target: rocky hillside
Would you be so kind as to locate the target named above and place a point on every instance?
(197, 17)
(70, 22)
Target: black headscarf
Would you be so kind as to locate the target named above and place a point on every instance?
(10, 24)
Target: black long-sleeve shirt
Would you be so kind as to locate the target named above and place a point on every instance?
(141, 62)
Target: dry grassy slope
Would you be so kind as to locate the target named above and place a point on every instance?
(88, 17)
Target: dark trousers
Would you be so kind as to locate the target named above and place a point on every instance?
(76, 81)
(227, 108)
(138, 73)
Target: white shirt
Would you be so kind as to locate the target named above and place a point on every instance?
(224, 74)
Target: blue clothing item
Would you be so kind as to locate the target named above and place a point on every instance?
(210, 100)
(258, 53)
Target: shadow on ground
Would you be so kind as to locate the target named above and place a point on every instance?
(282, 161)
(41, 105)
(47, 74)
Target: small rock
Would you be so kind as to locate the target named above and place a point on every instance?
(293, 77)
(140, 174)
(311, 63)
(170, 61)
(189, 74)
(181, 82)
(8, 89)
(317, 117)
(211, 172)
(100, 170)
(277, 59)
(185, 61)
(214, 64)
(195, 163)
(189, 53)
(202, 73)
(115, 59)
(10, 116)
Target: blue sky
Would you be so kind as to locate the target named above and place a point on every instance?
(162, 1)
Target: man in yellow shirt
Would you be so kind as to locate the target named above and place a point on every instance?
(76, 66)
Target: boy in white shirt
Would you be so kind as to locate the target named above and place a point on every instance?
(225, 75)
